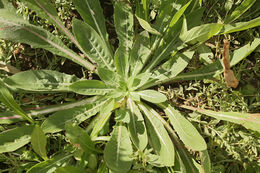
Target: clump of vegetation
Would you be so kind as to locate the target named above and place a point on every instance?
(114, 118)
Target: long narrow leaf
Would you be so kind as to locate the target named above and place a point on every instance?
(35, 36)
(250, 121)
(39, 142)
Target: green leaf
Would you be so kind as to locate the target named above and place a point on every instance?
(146, 26)
(118, 150)
(41, 80)
(152, 96)
(249, 121)
(200, 33)
(36, 37)
(205, 161)
(90, 87)
(15, 138)
(160, 140)
(69, 169)
(46, 10)
(52, 164)
(92, 44)
(103, 117)
(121, 61)
(56, 122)
(140, 53)
(185, 130)
(124, 22)
(122, 115)
(39, 142)
(241, 9)
(240, 26)
(92, 14)
(80, 138)
(137, 127)
(109, 77)
(7, 98)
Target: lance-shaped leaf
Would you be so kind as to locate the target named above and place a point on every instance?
(185, 130)
(92, 13)
(147, 26)
(46, 10)
(152, 96)
(137, 126)
(56, 122)
(240, 26)
(140, 53)
(90, 87)
(52, 164)
(103, 117)
(160, 140)
(200, 33)
(41, 80)
(121, 61)
(118, 150)
(109, 77)
(249, 121)
(124, 22)
(92, 44)
(7, 98)
(39, 142)
(15, 138)
(205, 161)
(242, 8)
(80, 139)
(14, 28)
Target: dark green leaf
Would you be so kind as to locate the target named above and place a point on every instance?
(39, 142)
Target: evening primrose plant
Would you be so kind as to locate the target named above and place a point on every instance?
(122, 97)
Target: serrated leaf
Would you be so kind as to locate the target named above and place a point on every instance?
(118, 150)
(249, 121)
(36, 37)
(152, 96)
(92, 44)
(39, 142)
(92, 14)
(7, 98)
(15, 138)
(161, 142)
(80, 138)
(41, 80)
(185, 130)
(242, 8)
(56, 122)
(90, 87)
(51, 165)
(147, 26)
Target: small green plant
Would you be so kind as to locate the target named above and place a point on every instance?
(123, 110)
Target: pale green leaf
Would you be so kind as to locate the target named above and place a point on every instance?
(49, 166)
(14, 28)
(147, 26)
(122, 115)
(249, 121)
(152, 96)
(56, 122)
(39, 142)
(103, 117)
(80, 138)
(15, 138)
(200, 33)
(92, 44)
(121, 61)
(92, 13)
(109, 77)
(185, 130)
(7, 98)
(118, 150)
(90, 87)
(41, 80)
(205, 161)
(160, 140)
(241, 9)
